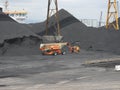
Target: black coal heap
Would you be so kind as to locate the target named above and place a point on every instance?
(96, 39)
(16, 38)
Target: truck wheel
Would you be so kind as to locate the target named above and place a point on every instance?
(55, 54)
(63, 53)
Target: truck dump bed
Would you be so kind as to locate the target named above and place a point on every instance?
(52, 45)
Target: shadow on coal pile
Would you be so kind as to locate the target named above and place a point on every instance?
(107, 64)
(20, 46)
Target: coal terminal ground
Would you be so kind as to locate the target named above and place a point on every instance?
(22, 67)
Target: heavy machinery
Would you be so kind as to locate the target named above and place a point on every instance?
(48, 48)
(52, 11)
(73, 48)
(112, 15)
(58, 48)
(52, 48)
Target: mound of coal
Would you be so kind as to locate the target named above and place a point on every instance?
(96, 39)
(21, 46)
(36, 27)
(65, 19)
(16, 39)
(4, 17)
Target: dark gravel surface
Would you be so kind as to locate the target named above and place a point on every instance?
(35, 71)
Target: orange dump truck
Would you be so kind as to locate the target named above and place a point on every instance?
(52, 48)
(58, 48)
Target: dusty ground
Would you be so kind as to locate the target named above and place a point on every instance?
(62, 72)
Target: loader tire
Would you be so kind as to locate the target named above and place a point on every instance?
(63, 53)
(55, 54)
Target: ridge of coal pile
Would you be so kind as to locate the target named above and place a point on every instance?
(65, 19)
(95, 39)
(16, 39)
(89, 38)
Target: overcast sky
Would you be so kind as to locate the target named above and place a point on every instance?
(81, 9)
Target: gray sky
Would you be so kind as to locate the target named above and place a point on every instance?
(81, 9)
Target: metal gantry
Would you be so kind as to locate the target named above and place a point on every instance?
(6, 5)
(112, 13)
(53, 9)
(100, 21)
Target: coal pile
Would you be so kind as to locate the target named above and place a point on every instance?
(16, 39)
(65, 19)
(36, 27)
(4, 17)
(95, 39)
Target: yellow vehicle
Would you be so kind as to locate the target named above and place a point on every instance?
(73, 49)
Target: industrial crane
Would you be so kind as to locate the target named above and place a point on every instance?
(55, 48)
(100, 21)
(112, 13)
(52, 11)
